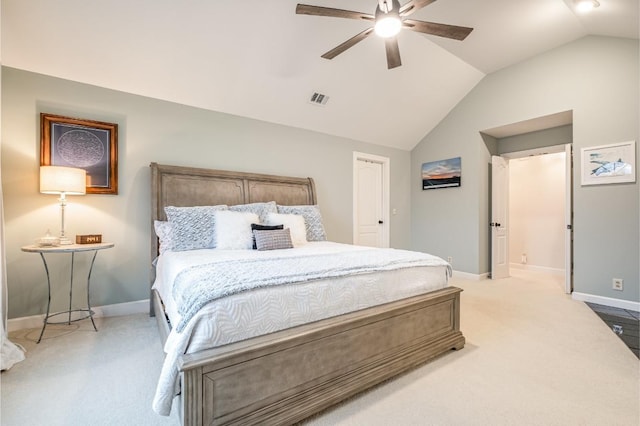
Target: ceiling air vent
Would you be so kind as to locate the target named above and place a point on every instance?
(318, 99)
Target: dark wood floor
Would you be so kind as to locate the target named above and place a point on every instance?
(624, 322)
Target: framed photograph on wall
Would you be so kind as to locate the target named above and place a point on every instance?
(604, 164)
(85, 144)
(442, 174)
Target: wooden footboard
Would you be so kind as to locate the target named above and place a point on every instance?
(289, 375)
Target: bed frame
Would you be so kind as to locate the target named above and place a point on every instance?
(285, 377)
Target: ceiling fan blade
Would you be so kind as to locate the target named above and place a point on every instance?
(305, 9)
(393, 52)
(443, 30)
(413, 6)
(347, 44)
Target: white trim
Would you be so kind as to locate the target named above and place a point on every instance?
(115, 310)
(469, 276)
(552, 149)
(386, 188)
(606, 301)
(527, 267)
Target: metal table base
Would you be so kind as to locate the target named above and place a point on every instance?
(72, 249)
(70, 310)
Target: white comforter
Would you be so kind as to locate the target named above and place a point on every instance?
(264, 310)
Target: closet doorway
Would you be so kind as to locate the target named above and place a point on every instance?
(539, 194)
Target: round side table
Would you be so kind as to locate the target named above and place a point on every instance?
(73, 249)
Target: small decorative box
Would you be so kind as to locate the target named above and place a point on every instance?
(89, 239)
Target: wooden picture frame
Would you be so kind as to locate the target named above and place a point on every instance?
(84, 144)
(606, 164)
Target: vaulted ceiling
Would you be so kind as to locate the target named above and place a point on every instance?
(258, 59)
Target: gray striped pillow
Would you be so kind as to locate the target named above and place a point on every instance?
(275, 239)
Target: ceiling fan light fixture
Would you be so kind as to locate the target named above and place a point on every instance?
(584, 6)
(388, 22)
(389, 19)
(388, 26)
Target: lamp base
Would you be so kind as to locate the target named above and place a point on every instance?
(64, 241)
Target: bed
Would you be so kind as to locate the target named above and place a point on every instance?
(289, 374)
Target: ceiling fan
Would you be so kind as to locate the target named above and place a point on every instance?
(388, 20)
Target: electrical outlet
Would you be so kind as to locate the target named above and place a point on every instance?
(618, 284)
(450, 259)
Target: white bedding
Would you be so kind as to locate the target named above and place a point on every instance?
(264, 310)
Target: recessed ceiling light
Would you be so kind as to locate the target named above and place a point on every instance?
(584, 6)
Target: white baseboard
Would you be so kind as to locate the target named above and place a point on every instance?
(469, 276)
(527, 267)
(606, 301)
(116, 310)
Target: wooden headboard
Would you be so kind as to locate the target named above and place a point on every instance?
(188, 186)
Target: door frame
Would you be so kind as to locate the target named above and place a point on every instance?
(385, 162)
(568, 217)
(568, 249)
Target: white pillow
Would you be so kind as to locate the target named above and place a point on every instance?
(294, 222)
(261, 209)
(164, 231)
(233, 230)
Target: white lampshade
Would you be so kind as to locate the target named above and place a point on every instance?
(62, 180)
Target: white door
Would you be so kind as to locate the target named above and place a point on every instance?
(568, 213)
(370, 227)
(499, 217)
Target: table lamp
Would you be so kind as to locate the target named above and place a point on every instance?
(64, 181)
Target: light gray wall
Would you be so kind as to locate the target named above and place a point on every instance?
(560, 135)
(167, 133)
(596, 78)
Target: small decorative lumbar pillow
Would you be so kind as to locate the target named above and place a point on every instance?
(233, 230)
(275, 239)
(261, 227)
(294, 222)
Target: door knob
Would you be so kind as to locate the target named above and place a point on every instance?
(380, 222)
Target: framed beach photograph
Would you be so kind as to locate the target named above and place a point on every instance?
(84, 144)
(442, 174)
(604, 164)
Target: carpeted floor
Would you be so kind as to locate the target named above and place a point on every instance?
(76, 376)
(533, 357)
